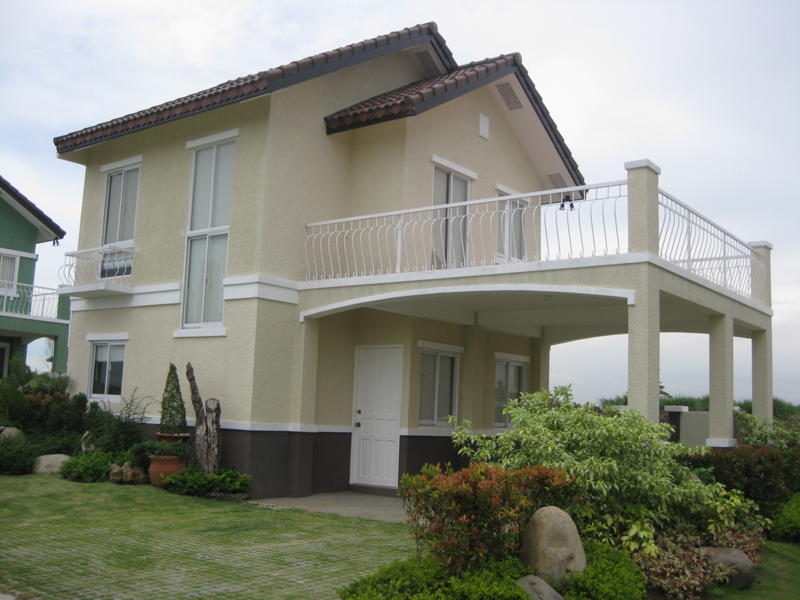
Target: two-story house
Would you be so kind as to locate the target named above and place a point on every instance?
(352, 247)
(27, 311)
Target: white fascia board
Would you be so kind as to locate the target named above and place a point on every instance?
(455, 168)
(213, 139)
(121, 164)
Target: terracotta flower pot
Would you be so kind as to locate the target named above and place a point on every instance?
(171, 438)
(163, 466)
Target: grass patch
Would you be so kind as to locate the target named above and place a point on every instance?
(778, 575)
(103, 541)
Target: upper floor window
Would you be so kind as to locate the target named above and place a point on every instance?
(449, 224)
(510, 228)
(122, 189)
(207, 239)
(9, 267)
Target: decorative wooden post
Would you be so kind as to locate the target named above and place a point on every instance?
(207, 427)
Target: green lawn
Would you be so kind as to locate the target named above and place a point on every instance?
(64, 540)
(778, 576)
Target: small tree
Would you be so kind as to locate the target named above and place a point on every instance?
(173, 413)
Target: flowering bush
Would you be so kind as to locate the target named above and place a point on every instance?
(475, 515)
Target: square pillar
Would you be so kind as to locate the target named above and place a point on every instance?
(642, 206)
(761, 345)
(540, 364)
(761, 272)
(476, 397)
(644, 323)
(720, 406)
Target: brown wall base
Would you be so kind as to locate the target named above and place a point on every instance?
(288, 463)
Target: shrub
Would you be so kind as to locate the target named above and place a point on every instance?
(193, 482)
(16, 456)
(68, 442)
(610, 575)
(625, 471)
(68, 416)
(428, 580)
(752, 432)
(787, 523)
(173, 412)
(90, 467)
(477, 514)
(117, 432)
(766, 475)
(680, 569)
(12, 403)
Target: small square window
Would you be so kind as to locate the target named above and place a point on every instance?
(108, 361)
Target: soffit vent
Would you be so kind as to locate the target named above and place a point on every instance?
(509, 95)
(556, 180)
(427, 63)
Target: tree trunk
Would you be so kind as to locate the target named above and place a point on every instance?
(207, 448)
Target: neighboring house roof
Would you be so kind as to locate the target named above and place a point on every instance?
(405, 101)
(415, 98)
(47, 228)
(259, 84)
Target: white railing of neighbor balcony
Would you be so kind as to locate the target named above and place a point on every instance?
(700, 246)
(97, 265)
(28, 300)
(575, 222)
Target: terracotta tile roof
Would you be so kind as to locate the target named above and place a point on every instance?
(407, 100)
(56, 233)
(258, 84)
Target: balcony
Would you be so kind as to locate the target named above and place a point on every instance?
(30, 301)
(575, 226)
(101, 271)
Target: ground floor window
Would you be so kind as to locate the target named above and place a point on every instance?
(108, 360)
(508, 384)
(438, 387)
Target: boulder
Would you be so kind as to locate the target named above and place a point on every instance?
(744, 571)
(10, 432)
(551, 545)
(49, 464)
(537, 588)
(127, 474)
(115, 474)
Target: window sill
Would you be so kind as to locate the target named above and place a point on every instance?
(200, 332)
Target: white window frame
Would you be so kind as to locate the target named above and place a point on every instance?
(212, 141)
(10, 291)
(452, 170)
(509, 361)
(438, 353)
(120, 167)
(505, 224)
(111, 340)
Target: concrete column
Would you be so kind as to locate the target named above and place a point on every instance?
(762, 374)
(762, 284)
(540, 364)
(59, 363)
(642, 206)
(644, 320)
(476, 399)
(720, 407)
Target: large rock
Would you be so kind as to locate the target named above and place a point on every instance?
(49, 464)
(537, 588)
(551, 545)
(744, 571)
(10, 432)
(127, 474)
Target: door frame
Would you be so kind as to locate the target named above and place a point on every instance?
(353, 408)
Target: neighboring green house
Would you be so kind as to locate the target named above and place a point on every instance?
(27, 312)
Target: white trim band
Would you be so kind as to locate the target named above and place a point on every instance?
(19, 253)
(512, 358)
(440, 347)
(451, 166)
(720, 442)
(262, 287)
(200, 332)
(121, 164)
(106, 337)
(213, 138)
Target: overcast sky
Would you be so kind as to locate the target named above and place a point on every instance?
(710, 91)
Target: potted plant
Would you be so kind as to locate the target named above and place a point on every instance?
(173, 426)
(166, 458)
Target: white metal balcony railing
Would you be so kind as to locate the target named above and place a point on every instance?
(577, 222)
(700, 246)
(28, 300)
(559, 224)
(109, 264)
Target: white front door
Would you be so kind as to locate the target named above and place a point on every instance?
(375, 450)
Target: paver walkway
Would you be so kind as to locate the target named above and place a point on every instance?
(345, 504)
